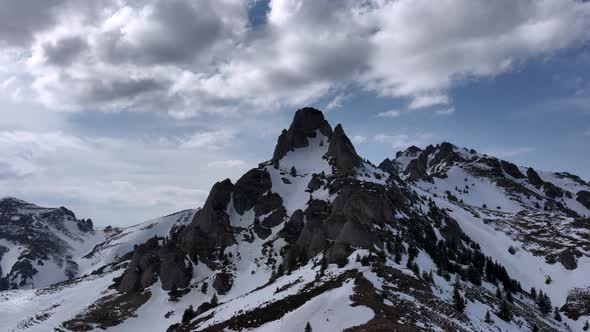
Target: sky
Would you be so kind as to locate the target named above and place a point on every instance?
(127, 110)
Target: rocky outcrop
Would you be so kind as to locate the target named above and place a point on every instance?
(152, 260)
(583, 197)
(388, 166)
(293, 227)
(512, 170)
(411, 151)
(552, 191)
(351, 221)
(223, 282)
(42, 234)
(269, 208)
(305, 124)
(417, 168)
(342, 152)
(249, 188)
(534, 178)
(210, 230)
(577, 303)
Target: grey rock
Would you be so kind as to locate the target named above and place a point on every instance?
(512, 170)
(223, 282)
(305, 123)
(583, 197)
(342, 152)
(534, 178)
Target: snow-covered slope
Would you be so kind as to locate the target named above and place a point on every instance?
(42, 246)
(318, 237)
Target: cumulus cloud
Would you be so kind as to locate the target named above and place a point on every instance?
(403, 141)
(185, 57)
(211, 140)
(358, 139)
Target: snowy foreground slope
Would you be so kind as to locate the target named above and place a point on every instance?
(438, 239)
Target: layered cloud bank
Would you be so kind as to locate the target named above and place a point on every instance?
(189, 57)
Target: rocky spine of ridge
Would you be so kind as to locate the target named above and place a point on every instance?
(331, 228)
(42, 233)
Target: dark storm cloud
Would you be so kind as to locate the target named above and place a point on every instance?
(174, 32)
(20, 19)
(64, 51)
(98, 91)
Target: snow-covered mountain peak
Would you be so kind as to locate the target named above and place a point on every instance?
(443, 238)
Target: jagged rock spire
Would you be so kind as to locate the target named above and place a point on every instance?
(342, 152)
(305, 124)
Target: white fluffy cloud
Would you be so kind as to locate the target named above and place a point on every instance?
(185, 57)
(404, 141)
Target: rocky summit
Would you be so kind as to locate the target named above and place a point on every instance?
(317, 238)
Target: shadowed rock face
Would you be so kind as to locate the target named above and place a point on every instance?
(512, 170)
(534, 177)
(210, 229)
(305, 123)
(577, 303)
(249, 188)
(583, 197)
(152, 260)
(342, 152)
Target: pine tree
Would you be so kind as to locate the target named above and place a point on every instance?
(548, 280)
(544, 303)
(586, 326)
(557, 316)
(509, 297)
(535, 328)
(533, 293)
(488, 319)
(505, 312)
(498, 293)
(458, 300)
(307, 327)
(204, 287)
(293, 171)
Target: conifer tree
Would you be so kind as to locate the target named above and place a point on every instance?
(509, 297)
(293, 171)
(586, 326)
(488, 319)
(505, 312)
(544, 303)
(307, 327)
(498, 293)
(533, 293)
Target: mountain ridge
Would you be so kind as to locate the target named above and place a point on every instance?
(316, 235)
